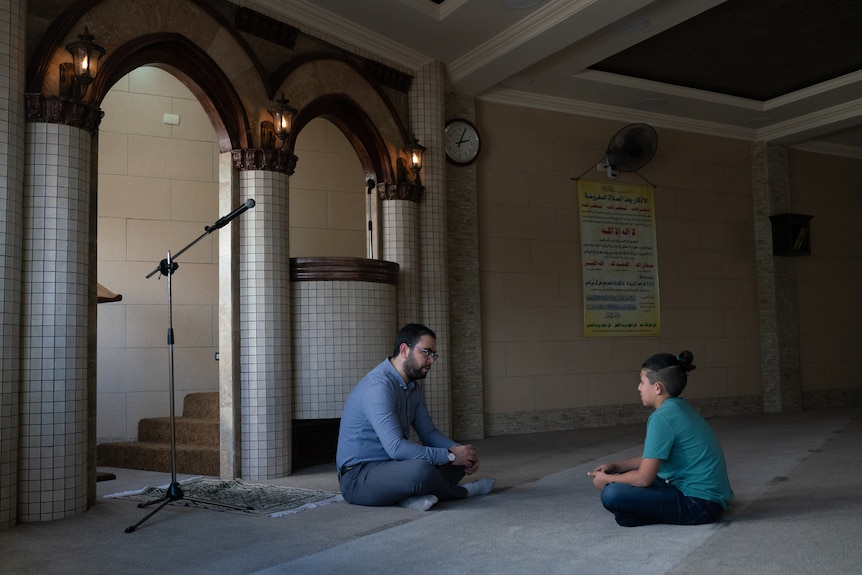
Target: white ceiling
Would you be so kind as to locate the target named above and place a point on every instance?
(541, 56)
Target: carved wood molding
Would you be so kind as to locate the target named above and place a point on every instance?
(248, 20)
(344, 269)
(401, 191)
(57, 110)
(388, 76)
(265, 159)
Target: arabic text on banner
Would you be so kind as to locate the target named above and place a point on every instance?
(619, 259)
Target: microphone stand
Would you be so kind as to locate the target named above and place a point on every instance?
(167, 267)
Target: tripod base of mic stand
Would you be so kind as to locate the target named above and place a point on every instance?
(175, 493)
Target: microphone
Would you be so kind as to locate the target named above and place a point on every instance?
(222, 222)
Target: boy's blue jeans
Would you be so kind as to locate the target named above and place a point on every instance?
(659, 503)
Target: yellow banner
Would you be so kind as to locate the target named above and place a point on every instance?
(619, 259)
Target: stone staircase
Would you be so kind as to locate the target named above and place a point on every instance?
(197, 438)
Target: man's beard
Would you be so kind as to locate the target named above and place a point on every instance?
(413, 370)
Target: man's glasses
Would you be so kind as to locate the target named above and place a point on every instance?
(428, 352)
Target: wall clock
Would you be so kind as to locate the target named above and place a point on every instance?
(462, 142)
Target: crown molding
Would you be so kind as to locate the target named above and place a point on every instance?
(570, 106)
(341, 30)
(539, 22)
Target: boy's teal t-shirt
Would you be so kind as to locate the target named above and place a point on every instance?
(691, 457)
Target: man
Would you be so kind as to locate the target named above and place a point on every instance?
(377, 462)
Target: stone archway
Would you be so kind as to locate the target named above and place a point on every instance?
(234, 94)
(158, 189)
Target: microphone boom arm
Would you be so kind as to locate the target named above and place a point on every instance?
(166, 269)
(222, 222)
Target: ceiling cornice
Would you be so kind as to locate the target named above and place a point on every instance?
(814, 124)
(669, 90)
(848, 80)
(626, 115)
(829, 149)
(571, 106)
(538, 23)
(342, 30)
(437, 11)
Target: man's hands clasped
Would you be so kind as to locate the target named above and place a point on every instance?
(466, 456)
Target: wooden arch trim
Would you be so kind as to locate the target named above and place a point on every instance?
(50, 42)
(72, 16)
(282, 73)
(355, 124)
(200, 74)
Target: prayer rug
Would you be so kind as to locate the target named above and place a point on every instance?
(242, 497)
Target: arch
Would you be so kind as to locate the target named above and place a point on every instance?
(356, 125)
(176, 54)
(355, 103)
(281, 75)
(382, 126)
(61, 27)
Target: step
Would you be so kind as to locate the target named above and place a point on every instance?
(203, 405)
(189, 431)
(193, 460)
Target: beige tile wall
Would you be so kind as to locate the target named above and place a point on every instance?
(327, 195)
(158, 189)
(536, 357)
(830, 310)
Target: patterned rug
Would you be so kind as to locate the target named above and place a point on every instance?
(236, 496)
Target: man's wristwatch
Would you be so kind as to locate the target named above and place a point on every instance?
(451, 456)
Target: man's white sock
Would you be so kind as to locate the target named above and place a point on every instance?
(479, 487)
(418, 502)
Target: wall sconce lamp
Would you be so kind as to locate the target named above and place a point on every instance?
(282, 119)
(414, 152)
(76, 77)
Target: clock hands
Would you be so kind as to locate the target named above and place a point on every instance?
(462, 140)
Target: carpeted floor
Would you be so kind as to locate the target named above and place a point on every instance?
(234, 496)
(796, 511)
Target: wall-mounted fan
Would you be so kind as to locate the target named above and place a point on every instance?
(629, 150)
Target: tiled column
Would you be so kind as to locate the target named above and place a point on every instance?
(400, 244)
(53, 467)
(266, 404)
(427, 102)
(12, 65)
(776, 283)
(465, 304)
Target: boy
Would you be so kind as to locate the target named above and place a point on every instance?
(681, 478)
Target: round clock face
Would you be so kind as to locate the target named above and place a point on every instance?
(462, 142)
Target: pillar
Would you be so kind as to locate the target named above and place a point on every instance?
(266, 402)
(399, 212)
(57, 280)
(12, 78)
(427, 108)
(776, 283)
(465, 299)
